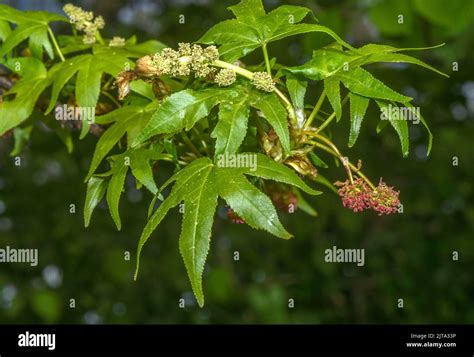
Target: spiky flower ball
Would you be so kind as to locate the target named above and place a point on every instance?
(263, 81)
(188, 58)
(84, 21)
(384, 199)
(225, 77)
(117, 42)
(234, 217)
(354, 196)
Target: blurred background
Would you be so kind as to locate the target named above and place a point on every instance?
(408, 256)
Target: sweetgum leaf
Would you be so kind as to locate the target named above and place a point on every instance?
(275, 114)
(255, 208)
(27, 90)
(96, 188)
(194, 241)
(269, 169)
(358, 107)
(333, 92)
(182, 110)
(231, 128)
(124, 119)
(399, 124)
(198, 185)
(252, 28)
(361, 82)
(30, 24)
(297, 90)
(115, 188)
(5, 30)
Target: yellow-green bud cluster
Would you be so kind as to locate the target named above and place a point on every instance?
(188, 58)
(117, 42)
(84, 21)
(263, 81)
(225, 77)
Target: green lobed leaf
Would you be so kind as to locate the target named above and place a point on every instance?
(425, 124)
(198, 185)
(18, 35)
(267, 168)
(184, 182)
(317, 161)
(27, 90)
(39, 40)
(21, 137)
(96, 187)
(297, 90)
(275, 114)
(324, 63)
(123, 118)
(231, 128)
(10, 14)
(333, 92)
(255, 208)
(115, 188)
(361, 82)
(142, 169)
(304, 205)
(182, 110)
(5, 30)
(252, 28)
(198, 217)
(358, 107)
(399, 124)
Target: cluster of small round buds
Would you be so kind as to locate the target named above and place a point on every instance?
(184, 49)
(225, 77)
(263, 81)
(199, 62)
(188, 58)
(211, 53)
(77, 16)
(117, 42)
(84, 21)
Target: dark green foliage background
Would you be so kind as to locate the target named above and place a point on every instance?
(408, 255)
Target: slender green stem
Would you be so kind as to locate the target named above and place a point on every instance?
(351, 166)
(108, 83)
(55, 44)
(331, 117)
(190, 144)
(315, 109)
(249, 75)
(267, 60)
(326, 122)
(111, 97)
(344, 160)
(239, 70)
(99, 38)
(201, 139)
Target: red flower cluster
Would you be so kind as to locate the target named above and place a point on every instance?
(234, 217)
(384, 199)
(358, 196)
(354, 196)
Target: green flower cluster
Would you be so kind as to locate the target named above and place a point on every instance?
(117, 42)
(84, 21)
(225, 77)
(263, 81)
(188, 58)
